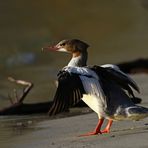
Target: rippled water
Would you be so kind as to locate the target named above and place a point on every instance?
(116, 31)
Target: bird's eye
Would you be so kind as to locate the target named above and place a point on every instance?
(62, 44)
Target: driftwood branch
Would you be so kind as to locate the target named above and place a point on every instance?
(26, 90)
(17, 106)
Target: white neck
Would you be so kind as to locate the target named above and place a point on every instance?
(79, 61)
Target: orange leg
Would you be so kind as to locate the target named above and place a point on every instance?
(107, 129)
(96, 130)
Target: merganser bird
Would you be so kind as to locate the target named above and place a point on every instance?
(105, 89)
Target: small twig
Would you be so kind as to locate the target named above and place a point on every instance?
(10, 98)
(28, 87)
(15, 95)
(22, 82)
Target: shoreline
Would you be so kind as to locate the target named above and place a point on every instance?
(64, 132)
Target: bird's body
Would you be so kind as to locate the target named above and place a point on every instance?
(105, 89)
(104, 95)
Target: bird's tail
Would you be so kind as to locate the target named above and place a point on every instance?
(131, 113)
(136, 112)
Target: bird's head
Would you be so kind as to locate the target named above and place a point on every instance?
(70, 46)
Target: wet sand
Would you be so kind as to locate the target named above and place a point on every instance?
(63, 133)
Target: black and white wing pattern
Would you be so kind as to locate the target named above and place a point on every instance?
(114, 70)
(69, 92)
(112, 74)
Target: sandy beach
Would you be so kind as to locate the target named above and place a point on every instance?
(63, 133)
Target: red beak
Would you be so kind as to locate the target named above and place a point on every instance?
(52, 48)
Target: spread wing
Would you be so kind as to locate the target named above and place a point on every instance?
(125, 77)
(112, 75)
(69, 92)
(114, 70)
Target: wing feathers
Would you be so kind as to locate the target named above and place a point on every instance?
(122, 76)
(69, 92)
(70, 89)
(116, 76)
